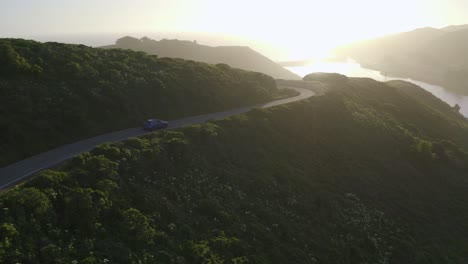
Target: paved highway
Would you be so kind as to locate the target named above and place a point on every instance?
(16, 172)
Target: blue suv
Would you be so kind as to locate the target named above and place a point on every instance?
(153, 124)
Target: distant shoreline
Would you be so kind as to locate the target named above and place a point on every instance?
(355, 69)
(390, 71)
(387, 70)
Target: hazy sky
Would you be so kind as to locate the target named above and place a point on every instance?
(303, 28)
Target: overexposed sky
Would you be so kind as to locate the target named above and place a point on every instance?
(298, 28)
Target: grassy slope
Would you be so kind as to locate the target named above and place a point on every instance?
(367, 173)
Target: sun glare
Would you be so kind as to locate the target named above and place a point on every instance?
(284, 30)
(309, 29)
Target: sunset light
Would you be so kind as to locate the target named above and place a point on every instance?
(234, 131)
(295, 29)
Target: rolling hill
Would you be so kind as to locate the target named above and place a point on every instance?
(235, 56)
(369, 172)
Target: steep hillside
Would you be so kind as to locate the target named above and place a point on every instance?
(235, 56)
(52, 94)
(367, 173)
(451, 48)
(434, 55)
(387, 47)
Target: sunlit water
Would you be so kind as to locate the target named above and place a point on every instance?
(353, 69)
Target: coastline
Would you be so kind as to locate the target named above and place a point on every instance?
(432, 78)
(353, 68)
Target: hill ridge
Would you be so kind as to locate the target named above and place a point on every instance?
(242, 57)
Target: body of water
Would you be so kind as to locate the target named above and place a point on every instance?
(353, 69)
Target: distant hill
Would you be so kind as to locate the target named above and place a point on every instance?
(235, 56)
(454, 28)
(369, 172)
(450, 48)
(438, 56)
(52, 94)
(334, 78)
(297, 63)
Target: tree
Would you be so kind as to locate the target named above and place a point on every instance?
(136, 228)
(12, 62)
(26, 202)
(83, 208)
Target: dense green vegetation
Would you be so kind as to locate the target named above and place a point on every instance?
(53, 93)
(367, 173)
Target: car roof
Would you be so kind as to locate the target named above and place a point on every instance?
(153, 120)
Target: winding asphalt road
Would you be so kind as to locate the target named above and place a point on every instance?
(16, 172)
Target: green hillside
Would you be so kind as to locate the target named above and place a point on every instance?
(367, 173)
(52, 94)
